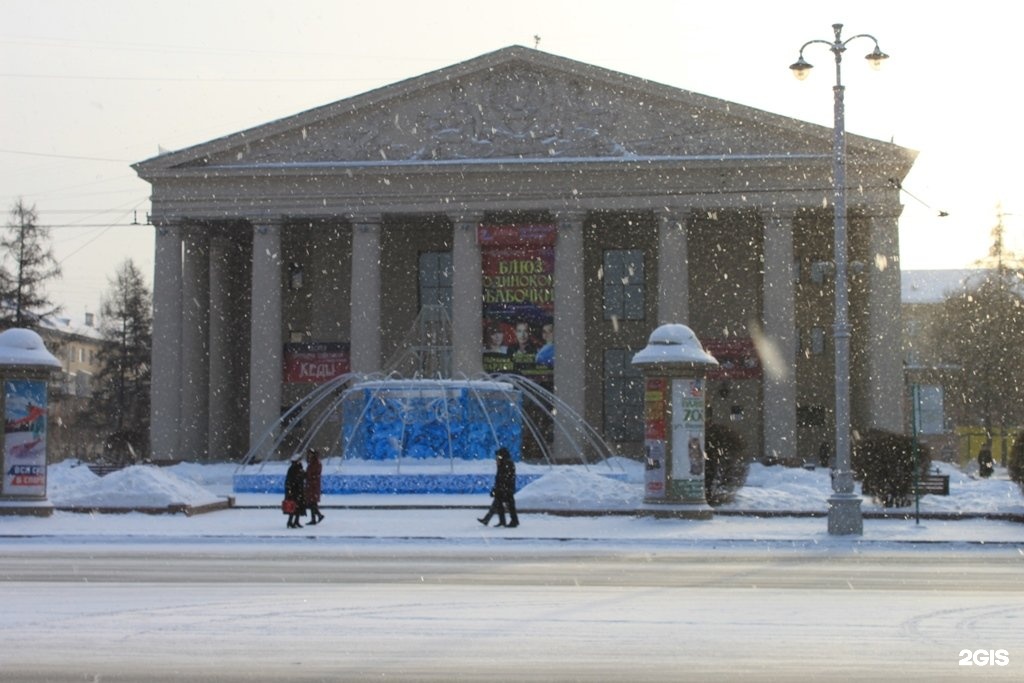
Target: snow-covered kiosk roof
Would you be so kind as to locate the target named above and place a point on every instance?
(674, 345)
(25, 348)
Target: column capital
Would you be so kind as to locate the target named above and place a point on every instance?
(365, 219)
(675, 220)
(874, 211)
(676, 212)
(166, 226)
(781, 212)
(570, 218)
(466, 220)
(266, 224)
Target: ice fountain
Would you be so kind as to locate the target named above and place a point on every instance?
(389, 434)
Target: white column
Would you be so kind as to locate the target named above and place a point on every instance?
(165, 389)
(366, 307)
(467, 298)
(570, 322)
(778, 347)
(673, 268)
(221, 385)
(883, 394)
(195, 345)
(265, 369)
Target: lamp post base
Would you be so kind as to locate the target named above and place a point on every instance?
(844, 515)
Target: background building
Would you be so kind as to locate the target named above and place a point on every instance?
(76, 344)
(599, 204)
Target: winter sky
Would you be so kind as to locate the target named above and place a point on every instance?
(91, 87)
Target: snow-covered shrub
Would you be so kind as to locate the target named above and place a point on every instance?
(726, 468)
(884, 463)
(1015, 465)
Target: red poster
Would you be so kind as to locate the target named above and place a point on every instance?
(315, 363)
(655, 408)
(737, 359)
(519, 300)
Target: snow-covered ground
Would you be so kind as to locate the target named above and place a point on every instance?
(768, 488)
(585, 491)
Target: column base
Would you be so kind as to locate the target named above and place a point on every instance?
(844, 515)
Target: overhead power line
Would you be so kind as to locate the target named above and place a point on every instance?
(65, 156)
(194, 79)
(899, 186)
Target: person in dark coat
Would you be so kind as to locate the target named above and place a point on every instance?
(504, 491)
(986, 463)
(312, 492)
(294, 488)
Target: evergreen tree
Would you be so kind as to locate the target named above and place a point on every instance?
(980, 329)
(121, 398)
(28, 264)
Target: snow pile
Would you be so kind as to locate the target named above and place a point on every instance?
(796, 489)
(783, 488)
(633, 469)
(139, 486)
(66, 475)
(580, 489)
(217, 476)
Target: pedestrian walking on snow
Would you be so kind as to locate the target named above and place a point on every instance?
(312, 492)
(504, 491)
(294, 488)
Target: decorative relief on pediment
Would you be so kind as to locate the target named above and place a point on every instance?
(518, 113)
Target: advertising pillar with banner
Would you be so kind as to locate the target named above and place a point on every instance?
(25, 369)
(674, 365)
(518, 300)
(688, 439)
(655, 437)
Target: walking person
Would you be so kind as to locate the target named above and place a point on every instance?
(312, 492)
(294, 487)
(504, 491)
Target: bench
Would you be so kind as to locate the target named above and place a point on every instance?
(936, 484)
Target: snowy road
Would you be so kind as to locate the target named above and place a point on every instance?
(535, 611)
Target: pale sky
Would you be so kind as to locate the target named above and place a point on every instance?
(91, 86)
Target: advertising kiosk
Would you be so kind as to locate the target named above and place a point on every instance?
(25, 370)
(674, 365)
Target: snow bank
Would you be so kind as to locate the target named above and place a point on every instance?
(139, 486)
(580, 489)
(68, 474)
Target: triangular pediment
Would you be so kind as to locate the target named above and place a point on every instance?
(515, 103)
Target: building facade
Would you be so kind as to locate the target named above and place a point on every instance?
(76, 344)
(619, 204)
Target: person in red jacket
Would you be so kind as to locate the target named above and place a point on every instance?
(313, 486)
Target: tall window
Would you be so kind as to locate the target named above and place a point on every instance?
(930, 417)
(623, 397)
(436, 279)
(623, 272)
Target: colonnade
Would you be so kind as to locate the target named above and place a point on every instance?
(194, 339)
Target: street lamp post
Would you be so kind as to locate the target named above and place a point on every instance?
(844, 513)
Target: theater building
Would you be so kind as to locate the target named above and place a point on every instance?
(511, 201)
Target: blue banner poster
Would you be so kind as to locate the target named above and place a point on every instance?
(25, 437)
